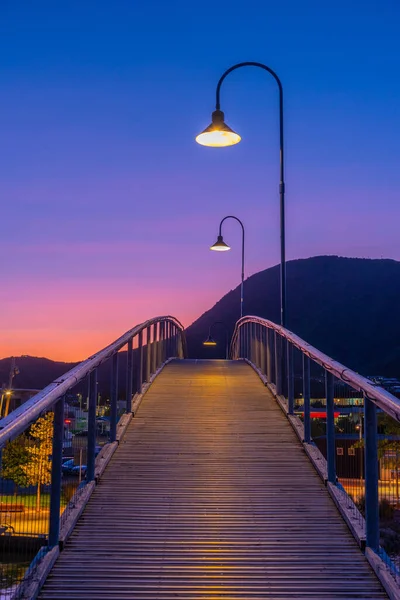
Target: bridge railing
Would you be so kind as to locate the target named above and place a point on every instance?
(48, 471)
(349, 426)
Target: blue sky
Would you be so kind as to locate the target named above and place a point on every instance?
(108, 205)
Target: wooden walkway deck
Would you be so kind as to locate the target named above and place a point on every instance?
(210, 495)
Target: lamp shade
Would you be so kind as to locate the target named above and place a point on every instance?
(220, 245)
(218, 134)
(209, 341)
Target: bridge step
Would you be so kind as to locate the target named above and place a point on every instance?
(210, 495)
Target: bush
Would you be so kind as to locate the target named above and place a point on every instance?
(390, 541)
(386, 510)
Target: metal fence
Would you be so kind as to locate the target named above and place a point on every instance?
(349, 426)
(54, 446)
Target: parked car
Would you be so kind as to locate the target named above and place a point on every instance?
(70, 468)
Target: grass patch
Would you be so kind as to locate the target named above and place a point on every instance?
(29, 500)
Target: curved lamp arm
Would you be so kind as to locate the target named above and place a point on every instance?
(242, 276)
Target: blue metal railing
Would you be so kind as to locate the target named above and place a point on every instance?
(285, 362)
(149, 346)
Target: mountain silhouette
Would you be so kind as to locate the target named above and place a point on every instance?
(346, 307)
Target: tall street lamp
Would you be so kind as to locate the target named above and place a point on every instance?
(210, 340)
(220, 246)
(218, 134)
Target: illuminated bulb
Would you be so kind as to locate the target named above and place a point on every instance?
(218, 134)
(220, 245)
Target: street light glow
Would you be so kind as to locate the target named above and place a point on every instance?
(218, 134)
(220, 245)
(209, 341)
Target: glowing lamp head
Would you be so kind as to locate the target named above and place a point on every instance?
(209, 342)
(218, 134)
(220, 245)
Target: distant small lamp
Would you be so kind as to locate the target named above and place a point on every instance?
(209, 341)
(220, 245)
(218, 134)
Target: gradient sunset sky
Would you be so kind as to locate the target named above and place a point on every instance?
(108, 206)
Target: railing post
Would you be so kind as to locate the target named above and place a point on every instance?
(330, 428)
(269, 355)
(159, 345)
(179, 343)
(278, 363)
(256, 342)
(163, 358)
(154, 350)
(256, 345)
(252, 343)
(371, 475)
(262, 349)
(129, 375)
(290, 375)
(91, 450)
(56, 474)
(114, 398)
(306, 399)
(174, 342)
(139, 380)
(284, 367)
(168, 339)
(148, 354)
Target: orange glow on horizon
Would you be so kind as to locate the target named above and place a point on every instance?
(63, 327)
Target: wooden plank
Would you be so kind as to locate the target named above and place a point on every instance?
(210, 495)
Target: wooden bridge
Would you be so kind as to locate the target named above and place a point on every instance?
(210, 495)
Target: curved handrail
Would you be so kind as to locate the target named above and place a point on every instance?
(20, 418)
(382, 398)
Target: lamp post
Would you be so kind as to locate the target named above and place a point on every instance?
(210, 340)
(220, 246)
(218, 134)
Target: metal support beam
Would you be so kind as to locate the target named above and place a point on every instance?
(91, 449)
(174, 342)
(154, 350)
(161, 353)
(114, 398)
(306, 398)
(371, 475)
(139, 378)
(168, 335)
(278, 363)
(129, 375)
(269, 354)
(56, 473)
(262, 349)
(148, 355)
(330, 428)
(290, 376)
